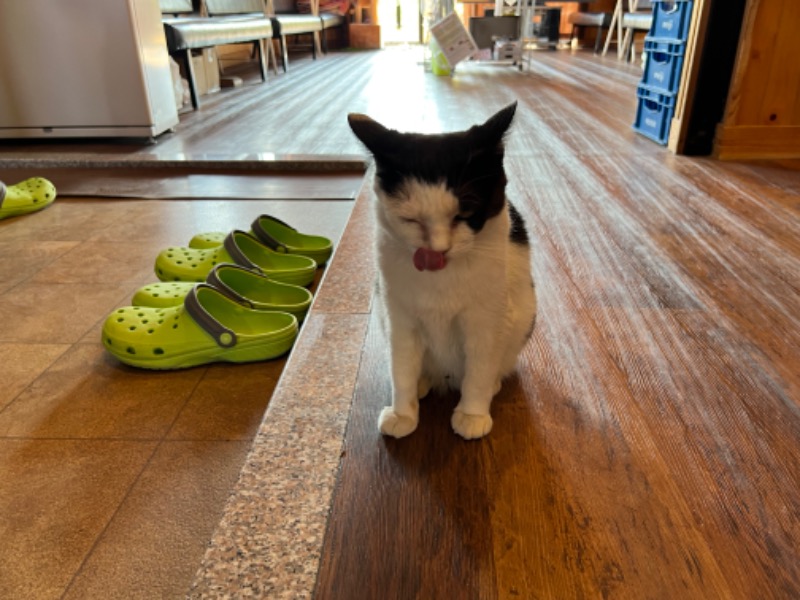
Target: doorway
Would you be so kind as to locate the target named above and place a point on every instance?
(400, 21)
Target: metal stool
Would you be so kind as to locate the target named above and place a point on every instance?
(583, 19)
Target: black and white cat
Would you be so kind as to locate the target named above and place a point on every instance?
(454, 268)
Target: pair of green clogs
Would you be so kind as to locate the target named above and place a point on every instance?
(232, 298)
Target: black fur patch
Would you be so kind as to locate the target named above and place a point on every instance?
(518, 234)
(470, 162)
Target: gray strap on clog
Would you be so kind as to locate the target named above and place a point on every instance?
(236, 253)
(263, 235)
(222, 335)
(214, 281)
(2, 193)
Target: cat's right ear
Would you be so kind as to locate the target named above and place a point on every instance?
(370, 132)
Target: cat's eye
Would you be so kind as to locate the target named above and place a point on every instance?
(409, 221)
(462, 216)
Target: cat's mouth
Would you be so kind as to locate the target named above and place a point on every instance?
(429, 260)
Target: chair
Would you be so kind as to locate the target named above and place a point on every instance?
(639, 18)
(583, 19)
(186, 29)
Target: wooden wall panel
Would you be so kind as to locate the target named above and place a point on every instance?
(764, 99)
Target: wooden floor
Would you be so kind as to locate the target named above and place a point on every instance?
(649, 447)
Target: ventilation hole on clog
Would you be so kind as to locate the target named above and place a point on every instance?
(155, 295)
(144, 321)
(151, 331)
(121, 310)
(132, 328)
(178, 262)
(169, 255)
(213, 263)
(161, 321)
(194, 266)
(175, 326)
(158, 351)
(141, 314)
(109, 341)
(131, 350)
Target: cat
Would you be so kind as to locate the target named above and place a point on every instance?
(454, 268)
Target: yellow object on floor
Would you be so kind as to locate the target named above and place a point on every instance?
(25, 197)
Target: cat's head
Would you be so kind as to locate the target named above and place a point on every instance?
(438, 190)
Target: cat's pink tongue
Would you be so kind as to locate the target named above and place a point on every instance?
(429, 259)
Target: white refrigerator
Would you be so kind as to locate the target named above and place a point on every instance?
(84, 68)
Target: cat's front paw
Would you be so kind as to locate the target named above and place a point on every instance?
(397, 426)
(471, 427)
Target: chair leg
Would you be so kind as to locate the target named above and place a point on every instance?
(626, 42)
(261, 62)
(271, 55)
(187, 62)
(284, 58)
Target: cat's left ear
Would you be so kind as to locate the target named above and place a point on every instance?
(371, 133)
(492, 131)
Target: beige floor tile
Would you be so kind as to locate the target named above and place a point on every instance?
(56, 497)
(158, 224)
(23, 259)
(50, 313)
(88, 394)
(65, 220)
(153, 546)
(173, 222)
(229, 403)
(101, 263)
(22, 363)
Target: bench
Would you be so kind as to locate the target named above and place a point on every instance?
(330, 11)
(286, 20)
(187, 30)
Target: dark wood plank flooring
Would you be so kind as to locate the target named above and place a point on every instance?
(648, 447)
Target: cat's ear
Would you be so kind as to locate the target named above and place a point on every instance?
(371, 133)
(492, 131)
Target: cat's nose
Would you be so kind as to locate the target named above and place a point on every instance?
(440, 240)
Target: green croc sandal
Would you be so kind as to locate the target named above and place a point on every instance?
(26, 197)
(163, 295)
(243, 285)
(194, 264)
(208, 327)
(279, 236)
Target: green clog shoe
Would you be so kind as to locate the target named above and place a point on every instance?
(248, 287)
(277, 235)
(26, 197)
(238, 247)
(208, 327)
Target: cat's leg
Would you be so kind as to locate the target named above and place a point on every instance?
(401, 418)
(482, 378)
(423, 387)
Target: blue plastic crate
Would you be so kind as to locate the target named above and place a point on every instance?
(671, 19)
(662, 69)
(654, 113)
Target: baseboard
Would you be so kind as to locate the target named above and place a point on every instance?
(737, 142)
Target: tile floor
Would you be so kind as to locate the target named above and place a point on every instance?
(113, 479)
